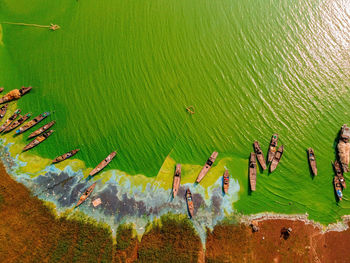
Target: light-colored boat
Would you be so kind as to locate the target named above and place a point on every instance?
(252, 171)
(177, 179)
(259, 155)
(86, 194)
(207, 166)
(312, 160)
(33, 122)
(189, 201)
(103, 164)
(276, 158)
(226, 181)
(41, 129)
(272, 148)
(15, 94)
(10, 120)
(3, 110)
(17, 123)
(65, 156)
(38, 140)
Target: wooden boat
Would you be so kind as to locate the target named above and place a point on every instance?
(189, 201)
(41, 129)
(33, 122)
(345, 133)
(259, 155)
(276, 159)
(339, 173)
(10, 120)
(65, 156)
(207, 166)
(38, 140)
(226, 181)
(86, 194)
(1, 89)
(3, 110)
(312, 160)
(177, 179)
(17, 123)
(103, 164)
(15, 94)
(252, 171)
(337, 188)
(272, 148)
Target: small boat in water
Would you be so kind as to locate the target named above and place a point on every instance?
(65, 156)
(207, 166)
(312, 160)
(15, 94)
(103, 164)
(272, 148)
(276, 159)
(252, 171)
(226, 181)
(10, 120)
(259, 155)
(38, 140)
(17, 123)
(3, 110)
(41, 129)
(339, 173)
(189, 201)
(337, 188)
(177, 179)
(86, 194)
(33, 122)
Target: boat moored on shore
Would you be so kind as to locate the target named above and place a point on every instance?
(226, 181)
(10, 120)
(86, 194)
(3, 110)
(38, 140)
(103, 164)
(65, 156)
(17, 123)
(33, 122)
(207, 166)
(41, 129)
(177, 179)
(189, 201)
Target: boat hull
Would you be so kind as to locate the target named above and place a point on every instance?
(33, 122)
(87, 193)
(10, 120)
(272, 148)
(103, 164)
(312, 161)
(190, 206)
(41, 129)
(252, 171)
(37, 140)
(177, 179)
(226, 182)
(65, 156)
(17, 123)
(276, 159)
(3, 111)
(207, 166)
(259, 155)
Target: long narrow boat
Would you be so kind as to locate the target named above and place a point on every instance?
(41, 129)
(272, 148)
(252, 171)
(189, 201)
(207, 166)
(226, 181)
(312, 160)
(38, 140)
(259, 155)
(65, 156)
(276, 158)
(337, 187)
(339, 173)
(177, 179)
(3, 110)
(15, 94)
(86, 194)
(10, 120)
(33, 122)
(103, 164)
(17, 123)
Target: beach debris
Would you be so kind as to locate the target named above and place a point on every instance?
(189, 201)
(10, 120)
(344, 147)
(96, 202)
(33, 122)
(252, 171)
(190, 109)
(285, 232)
(41, 129)
(52, 26)
(272, 148)
(259, 155)
(276, 158)
(103, 164)
(15, 94)
(38, 140)
(312, 160)
(207, 166)
(86, 194)
(177, 179)
(226, 181)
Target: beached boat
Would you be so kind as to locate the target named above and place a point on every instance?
(272, 148)
(226, 181)
(252, 171)
(339, 173)
(312, 160)
(17, 123)
(86, 194)
(177, 179)
(207, 166)
(276, 158)
(15, 94)
(38, 140)
(189, 201)
(259, 155)
(10, 120)
(41, 129)
(337, 188)
(103, 164)
(65, 156)
(3, 110)
(33, 122)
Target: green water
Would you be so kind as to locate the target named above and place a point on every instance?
(119, 75)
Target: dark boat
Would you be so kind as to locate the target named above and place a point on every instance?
(3, 110)
(276, 158)
(33, 122)
(312, 160)
(339, 173)
(177, 179)
(252, 171)
(337, 188)
(259, 155)
(15, 94)
(65, 156)
(226, 181)
(86, 194)
(10, 120)
(207, 166)
(38, 140)
(272, 148)
(103, 164)
(41, 129)
(17, 123)
(189, 201)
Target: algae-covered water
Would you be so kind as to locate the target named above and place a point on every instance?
(119, 75)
